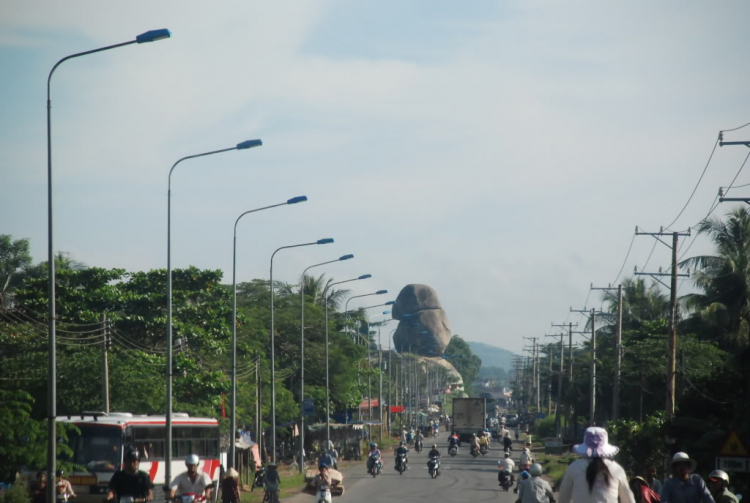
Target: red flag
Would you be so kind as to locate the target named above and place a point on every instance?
(223, 410)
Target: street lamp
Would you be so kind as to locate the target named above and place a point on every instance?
(168, 456)
(328, 399)
(324, 241)
(233, 427)
(149, 36)
(346, 305)
(380, 371)
(302, 358)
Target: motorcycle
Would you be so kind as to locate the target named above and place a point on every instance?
(401, 463)
(260, 475)
(433, 465)
(187, 498)
(324, 494)
(374, 465)
(474, 451)
(483, 449)
(505, 480)
(418, 446)
(453, 450)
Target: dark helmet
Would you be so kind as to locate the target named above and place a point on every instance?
(59, 473)
(132, 454)
(322, 465)
(401, 444)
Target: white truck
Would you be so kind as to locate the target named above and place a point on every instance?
(469, 417)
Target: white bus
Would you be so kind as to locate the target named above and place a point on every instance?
(98, 449)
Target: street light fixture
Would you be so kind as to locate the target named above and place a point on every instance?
(168, 455)
(302, 357)
(149, 36)
(328, 399)
(233, 427)
(346, 305)
(323, 241)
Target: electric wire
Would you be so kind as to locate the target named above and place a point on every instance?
(696, 185)
(624, 262)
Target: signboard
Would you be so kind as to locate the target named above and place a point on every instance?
(397, 408)
(734, 447)
(308, 406)
(733, 465)
(82, 480)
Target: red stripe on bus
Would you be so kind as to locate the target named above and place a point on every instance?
(153, 470)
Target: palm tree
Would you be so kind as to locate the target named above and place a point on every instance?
(639, 302)
(315, 288)
(724, 278)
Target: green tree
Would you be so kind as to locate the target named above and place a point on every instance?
(14, 259)
(466, 362)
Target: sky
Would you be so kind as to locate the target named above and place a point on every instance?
(502, 152)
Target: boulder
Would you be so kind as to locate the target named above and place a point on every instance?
(413, 298)
(425, 330)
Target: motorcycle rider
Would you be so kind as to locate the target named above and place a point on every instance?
(372, 457)
(419, 439)
(190, 481)
(535, 489)
(272, 479)
(322, 481)
(453, 441)
(518, 432)
(474, 442)
(64, 489)
(718, 481)
(506, 467)
(410, 436)
(130, 481)
(434, 453)
(507, 443)
(483, 441)
(526, 459)
(401, 450)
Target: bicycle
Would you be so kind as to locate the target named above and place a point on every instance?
(271, 496)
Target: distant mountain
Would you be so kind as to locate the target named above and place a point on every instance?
(492, 356)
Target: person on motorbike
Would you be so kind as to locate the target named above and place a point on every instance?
(372, 457)
(325, 459)
(190, 481)
(474, 442)
(507, 444)
(506, 467)
(322, 481)
(401, 450)
(434, 453)
(483, 441)
(272, 479)
(718, 481)
(410, 436)
(535, 489)
(64, 489)
(526, 459)
(419, 439)
(130, 481)
(518, 432)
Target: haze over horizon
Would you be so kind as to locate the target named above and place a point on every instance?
(501, 153)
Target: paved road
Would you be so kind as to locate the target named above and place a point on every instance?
(462, 478)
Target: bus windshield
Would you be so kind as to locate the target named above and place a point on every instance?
(96, 448)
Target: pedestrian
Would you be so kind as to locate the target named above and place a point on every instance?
(642, 492)
(596, 477)
(230, 491)
(684, 486)
(653, 481)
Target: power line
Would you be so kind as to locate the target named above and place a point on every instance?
(696, 185)
(626, 259)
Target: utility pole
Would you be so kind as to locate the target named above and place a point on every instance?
(618, 350)
(549, 380)
(105, 364)
(558, 409)
(534, 370)
(672, 372)
(258, 408)
(592, 366)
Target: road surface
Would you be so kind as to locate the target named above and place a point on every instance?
(462, 478)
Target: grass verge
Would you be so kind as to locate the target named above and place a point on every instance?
(555, 466)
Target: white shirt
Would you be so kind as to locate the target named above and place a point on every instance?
(526, 458)
(184, 485)
(575, 488)
(506, 464)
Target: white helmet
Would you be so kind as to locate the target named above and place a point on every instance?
(507, 454)
(719, 475)
(192, 459)
(535, 470)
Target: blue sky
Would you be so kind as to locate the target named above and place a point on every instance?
(501, 152)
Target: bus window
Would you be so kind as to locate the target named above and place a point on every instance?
(96, 448)
(149, 440)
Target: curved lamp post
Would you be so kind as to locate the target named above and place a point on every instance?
(380, 370)
(346, 305)
(233, 427)
(168, 451)
(149, 36)
(328, 399)
(324, 241)
(302, 357)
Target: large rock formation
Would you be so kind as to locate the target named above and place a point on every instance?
(423, 326)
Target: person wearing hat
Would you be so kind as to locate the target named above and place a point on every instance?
(596, 477)
(718, 483)
(535, 489)
(506, 467)
(272, 481)
(684, 486)
(322, 481)
(642, 492)
(130, 481)
(230, 491)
